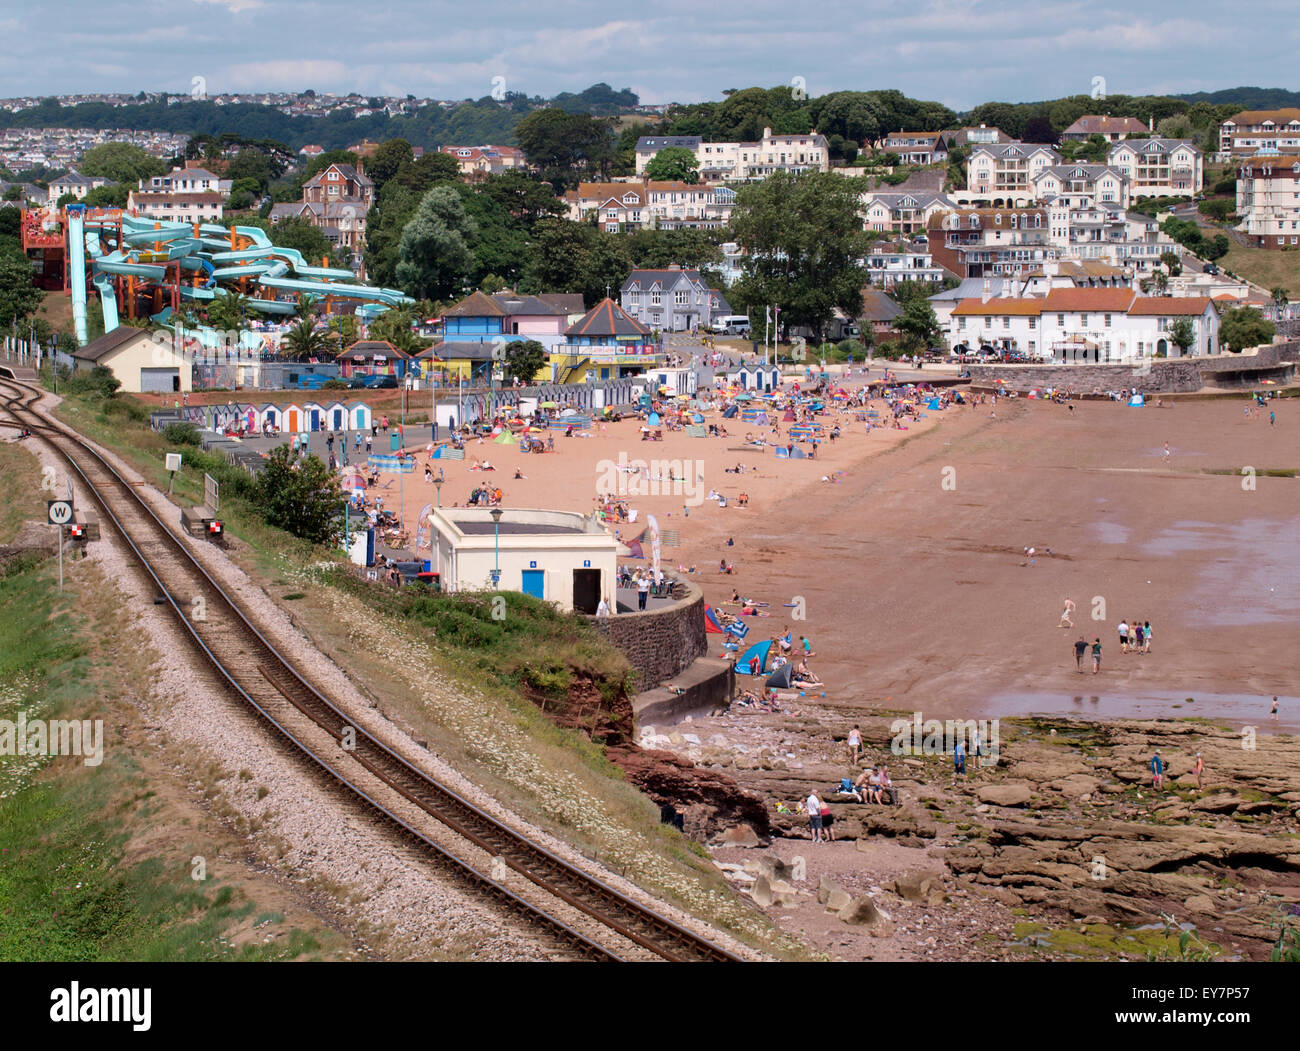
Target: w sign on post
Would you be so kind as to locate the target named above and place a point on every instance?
(211, 493)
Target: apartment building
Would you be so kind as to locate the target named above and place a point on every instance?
(1268, 200)
(890, 262)
(1079, 184)
(984, 242)
(73, 183)
(665, 204)
(175, 206)
(743, 161)
(1003, 173)
(1160, 167)
(1254, 129)
(342, 222)
(1084, 324)
(1112, 129)
(902, 213)
(981, 136)
(190, 179)
(340, 183)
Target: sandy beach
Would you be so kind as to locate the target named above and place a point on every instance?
(910, 560)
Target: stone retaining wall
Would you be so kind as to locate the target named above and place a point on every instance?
(659, 643)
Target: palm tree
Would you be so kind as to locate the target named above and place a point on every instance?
(306, 307)
(228, 311)
(303, 341)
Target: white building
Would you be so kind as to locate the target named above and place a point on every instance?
(902, 213)
(1085, 324)
(1268, 200)
(175, 206)
(1160, 167)
(557, 556)
(1003, 173)
(73, 183)
(743, 161)
(889, 262)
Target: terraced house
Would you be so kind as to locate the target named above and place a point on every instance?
(1003, 173)
(743, 161)
(1159, 167)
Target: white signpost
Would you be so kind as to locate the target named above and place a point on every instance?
(60, 514)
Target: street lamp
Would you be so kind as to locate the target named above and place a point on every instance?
(496, 514)
(437, 488)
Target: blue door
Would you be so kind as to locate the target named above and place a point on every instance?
(315, 419)
(534, 583)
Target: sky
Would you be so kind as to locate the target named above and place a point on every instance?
(958, 52)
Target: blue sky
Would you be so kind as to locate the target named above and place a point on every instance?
(959, 52)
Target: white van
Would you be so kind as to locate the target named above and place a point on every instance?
(731, 325)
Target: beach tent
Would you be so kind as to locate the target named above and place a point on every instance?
(933, 403)
(759, 650)
(711, 623)
(653, 420)
(1137, 401)
(446, 452)
(729, 413)
(780, 679)
(505, 438)
(697, 418)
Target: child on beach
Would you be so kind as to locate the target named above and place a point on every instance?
(1096, 655)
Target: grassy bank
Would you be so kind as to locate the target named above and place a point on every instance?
(84, 873)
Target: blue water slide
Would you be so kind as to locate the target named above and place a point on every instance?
(76, 233)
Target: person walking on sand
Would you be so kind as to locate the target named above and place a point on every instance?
(1166, 452)
(1096, 655)
(959, 759)
(1157, 766)
(1065, 621)
(1272, 712)
(1123, 636)
(815, 816)
(1198, 769)
(642, 589)
(1080, 649)
(1146, 636)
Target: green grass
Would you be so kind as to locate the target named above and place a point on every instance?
(23, 501)
(68, 892)
(1266, 267)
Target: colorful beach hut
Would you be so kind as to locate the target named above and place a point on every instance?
(271, 418)
(336, 416)
(293, 419)
(313, 416)
(359, 416)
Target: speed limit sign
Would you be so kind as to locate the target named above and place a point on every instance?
(60, 512)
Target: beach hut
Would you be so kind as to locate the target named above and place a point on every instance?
(293, 419)
(313, 416)
(270, 418)
(359, 417)
(336, 416)
(250, 416)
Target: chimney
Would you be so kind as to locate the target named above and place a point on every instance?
(988, 290)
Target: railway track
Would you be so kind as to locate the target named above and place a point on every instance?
(580, 911)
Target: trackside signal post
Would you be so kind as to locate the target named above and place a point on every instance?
(60, 514)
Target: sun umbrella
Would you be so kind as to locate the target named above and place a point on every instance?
(549, 405)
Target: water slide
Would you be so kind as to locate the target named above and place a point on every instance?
(77, 268)
(146, 247)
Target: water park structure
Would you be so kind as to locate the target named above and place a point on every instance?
(151, 268)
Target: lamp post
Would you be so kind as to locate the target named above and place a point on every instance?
(496, 514)
(437, 488)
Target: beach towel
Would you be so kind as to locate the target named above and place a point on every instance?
(694, 430)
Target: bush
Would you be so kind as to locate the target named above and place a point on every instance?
(847, 347)
(1226, 186)
(181, 434)
(333, 385)
(98, 382)
(1217, 208)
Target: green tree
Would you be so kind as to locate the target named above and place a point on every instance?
(562, 146)
(305, 307)
(918, 324)
(434, 257)
(804, 244)
(387, 160)
(1171, 262)
(674, 164)
(112, 196)
(301, 497)
(120, 162)
(1244, 327)
(524, 358)
(1280, 298)
(394, 326)
(304, 341)
(1182, 334)
(19, 297)
(228, 310)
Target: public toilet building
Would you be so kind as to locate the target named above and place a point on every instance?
(559, 556)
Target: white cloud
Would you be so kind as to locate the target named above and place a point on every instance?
(234, 6)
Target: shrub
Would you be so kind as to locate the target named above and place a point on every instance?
(181, 434)
(1217, 208)
(1226, 186)
(850, 346)
(333, 385)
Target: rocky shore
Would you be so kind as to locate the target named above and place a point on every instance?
(1060, 848)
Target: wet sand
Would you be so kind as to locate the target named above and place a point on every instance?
(910, 563)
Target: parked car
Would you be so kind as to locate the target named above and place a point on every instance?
(357, 382)
(1211, 268)
(381, 382)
